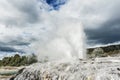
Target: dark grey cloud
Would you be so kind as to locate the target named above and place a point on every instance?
(10, 49)
(109, 32)
(101, 21)
(14, 43)
(28, 8)
(19, 12)
(13, 46)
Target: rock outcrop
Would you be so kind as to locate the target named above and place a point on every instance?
(72, 70)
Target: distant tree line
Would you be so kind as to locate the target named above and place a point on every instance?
(111, 50)
(107, 49)
(18, 60)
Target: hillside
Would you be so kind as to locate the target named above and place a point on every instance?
(112, 50)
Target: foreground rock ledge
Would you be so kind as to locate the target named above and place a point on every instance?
(98, 69)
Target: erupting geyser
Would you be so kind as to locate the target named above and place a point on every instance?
(64, 38)
(67, 42)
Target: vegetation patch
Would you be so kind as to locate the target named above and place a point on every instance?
(18, 60)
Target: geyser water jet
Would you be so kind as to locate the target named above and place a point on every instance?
(65, 38)
(68, 41)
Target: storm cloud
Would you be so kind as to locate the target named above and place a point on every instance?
(107, 33)
(101, 20)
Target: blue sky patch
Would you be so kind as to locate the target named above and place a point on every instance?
(56, 3)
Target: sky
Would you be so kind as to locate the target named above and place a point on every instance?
(22, 22)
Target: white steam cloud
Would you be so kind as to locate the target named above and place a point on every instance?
(65, 37)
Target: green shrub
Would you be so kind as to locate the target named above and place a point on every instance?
(18, 60)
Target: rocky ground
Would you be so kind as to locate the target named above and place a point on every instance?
(105, 67)
(98, 69)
